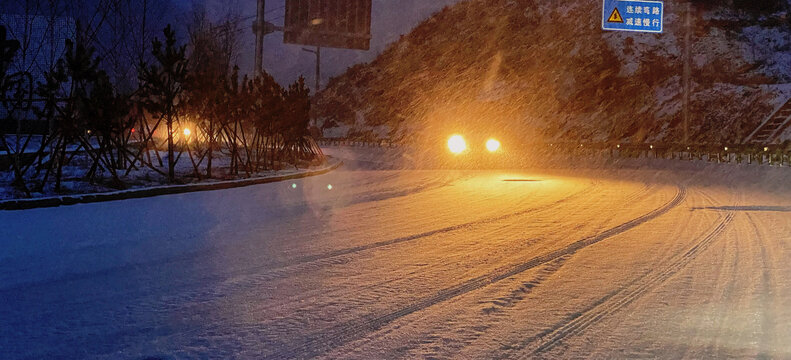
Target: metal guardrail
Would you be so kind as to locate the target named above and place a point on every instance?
(773, 155)
(359, 143)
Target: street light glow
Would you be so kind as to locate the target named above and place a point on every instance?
(492, 145)
(187, 132)
(456, 144)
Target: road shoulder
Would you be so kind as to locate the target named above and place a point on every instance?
(56, 201)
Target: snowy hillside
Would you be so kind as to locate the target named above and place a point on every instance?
(547, 70)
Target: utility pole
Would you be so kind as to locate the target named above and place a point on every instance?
(259, 27)
(318, 66)
(318, 69)
(687, 69)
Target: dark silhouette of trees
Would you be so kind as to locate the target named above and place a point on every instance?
(191, 90)
(15, 92)
(296, 120)
(162, 87)
(87, 113)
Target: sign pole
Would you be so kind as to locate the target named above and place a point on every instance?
(318, 69)
(259, 28)
(316, 52)
(687, 69)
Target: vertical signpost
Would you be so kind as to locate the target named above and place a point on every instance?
(633, 15)
(258, 29)
(687, 69)
(316, 52)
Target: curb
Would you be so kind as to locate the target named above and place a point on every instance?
(50, 202)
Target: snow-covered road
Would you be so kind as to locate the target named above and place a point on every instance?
(384, 263)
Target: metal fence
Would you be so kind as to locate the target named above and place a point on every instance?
(774, 155)
(771, 155)
(359, 143)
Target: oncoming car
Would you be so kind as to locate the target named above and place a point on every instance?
(458, 145)
(475, 151)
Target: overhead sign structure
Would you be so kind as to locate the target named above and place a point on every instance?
(342, 24)
(633, 15)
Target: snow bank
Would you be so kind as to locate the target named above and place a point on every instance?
(275, 176)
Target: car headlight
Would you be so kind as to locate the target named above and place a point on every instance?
(493, 145)
(456, 144)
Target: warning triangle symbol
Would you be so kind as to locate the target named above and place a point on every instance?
(615, 17)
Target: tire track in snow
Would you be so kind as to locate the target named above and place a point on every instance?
(376, 195)
(325, 259)
(434, 344)
(495, 311)
(502, 303)
(445, 230)
(767, 281)
(700, 334)
(497, 306)
(318, 343)
(615, 301)
(312, 263)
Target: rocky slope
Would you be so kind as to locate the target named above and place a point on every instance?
(546, 71)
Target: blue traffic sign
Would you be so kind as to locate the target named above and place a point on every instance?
(633, 15)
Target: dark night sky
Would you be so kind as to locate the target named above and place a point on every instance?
(391, 18)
